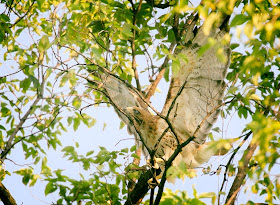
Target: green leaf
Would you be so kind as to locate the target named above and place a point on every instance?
(69, 120)
(68, 149)
(72, 78)
(63, 80)
(50, 188)
(196, 202)
(89, 153)
(5, 112)
(104, 126)
(33, 180)
(126, 29)
(44, 44)
(210, 135)
(37, 159)
(135, 156)
(125, 150)
(183, 58)
(44, 168)
(121, 125)
(4, 18)
(234, 45)
(25, 84)
(2, 127)
(35, 81)
(77, 123)
(216, 129)
(40, 3)
(133, 148)
(166, 73)
(92, 123)
(76, 102)
(176, 66)
(239, 19)
(2, 35)
(171, 36)
(26, 179)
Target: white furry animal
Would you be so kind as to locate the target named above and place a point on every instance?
(192, 104)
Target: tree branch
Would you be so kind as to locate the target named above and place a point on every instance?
(154, 84)
(6, 196)
(229, 162)
(167, 165)
(18, 20)
(140, 189)
(241, 174)
(178, 34)
(136, 76)
(18, 127)
(160, 6)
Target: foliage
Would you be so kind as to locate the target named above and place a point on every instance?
(92, 190)
(50, 50)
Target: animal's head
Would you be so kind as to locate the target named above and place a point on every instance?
(138, 114)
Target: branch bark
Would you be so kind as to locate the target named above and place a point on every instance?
(154, 84)
(6, 196)
(140, 189)
(241, 174)
(247, 135)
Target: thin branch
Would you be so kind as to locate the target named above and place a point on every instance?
(136, 161)
(232, 198)
(18, 20)
(154, 84)
(125, 114)
(19, 70)
(151, 90)
(21, 165)
(18, 127)
(46, 127)
(167, 165)
(179, 149)
(103, 69)
(132, 41)
(247, 135)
